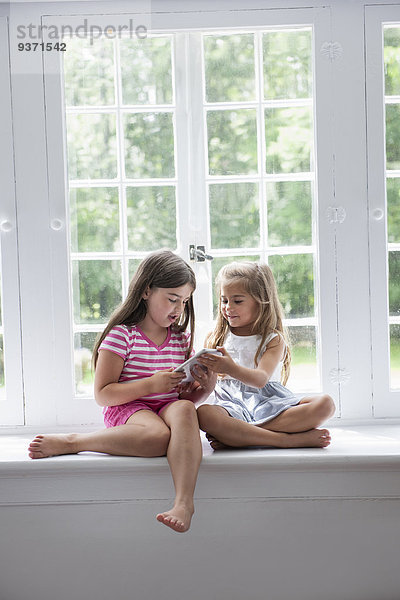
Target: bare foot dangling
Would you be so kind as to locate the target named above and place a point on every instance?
(178, 518)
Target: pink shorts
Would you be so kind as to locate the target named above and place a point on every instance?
(118, 415)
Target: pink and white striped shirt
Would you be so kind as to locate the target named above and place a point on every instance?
(142, 357)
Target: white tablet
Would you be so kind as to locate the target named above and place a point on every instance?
(186, 366)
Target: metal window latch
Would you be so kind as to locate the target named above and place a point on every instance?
(198, 253)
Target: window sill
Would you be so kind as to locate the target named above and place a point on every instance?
(359, 464)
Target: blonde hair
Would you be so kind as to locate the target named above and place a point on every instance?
(160, 269)
(258, 281)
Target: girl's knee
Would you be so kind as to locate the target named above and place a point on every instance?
(156, 440)
(324, 407)
(185, 410)
(206, 414)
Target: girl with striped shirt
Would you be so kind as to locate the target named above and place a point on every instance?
(146, 410)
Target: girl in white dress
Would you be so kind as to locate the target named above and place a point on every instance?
(255, 358)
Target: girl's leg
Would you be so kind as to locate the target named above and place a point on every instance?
(184, 456)
(218, 424)
(310, 413)
(144, 434)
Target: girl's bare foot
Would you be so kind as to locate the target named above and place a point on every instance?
(216, 444)
(314, 438)
(178, 518)
(44, 446)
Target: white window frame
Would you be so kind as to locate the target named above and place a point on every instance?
(387, 401)
(344, 262)
(12, 409)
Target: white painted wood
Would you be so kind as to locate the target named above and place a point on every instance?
(12, 406)
(386, 401)
(349, 168)
(261, 517)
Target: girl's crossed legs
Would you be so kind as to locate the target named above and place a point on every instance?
(175, 433)
(294, 428)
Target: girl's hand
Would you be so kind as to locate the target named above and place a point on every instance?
(219, 364)
(187, 388)
(205, 377)
(165, 381)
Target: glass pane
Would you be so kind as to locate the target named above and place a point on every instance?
(146, 70)
(394, 283)
(393, 209)
(304, 374)
(149, 145)
(289, 210)
(392, 136)
(2, 378)
(232, 142)
(96, 289)
(217, 264)
(84, 376)
(151, 213)
(234, 215)
(132, 266)
(287, 64)
(294, 276)
(94, 219)
(91, 146)
(89, 72)
(395, 356)
(289, 140)
(229, 67)
(392, 60)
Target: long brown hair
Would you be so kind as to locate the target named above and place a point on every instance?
(160, 269)
(258, 281)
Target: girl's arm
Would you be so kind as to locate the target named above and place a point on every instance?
(256, 377)
(108, 392)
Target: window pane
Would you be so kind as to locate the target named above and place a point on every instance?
(393, 209)
(89, 72)
(94, 220)
(392, 136)
(304, 374)
(217, 264)
(295, 282)
(395, 356)
(234, 215)
(146, 70)
(287, 64)
(91, 146)
(391, 58)
(232, 142)
(288, 133)
(289, 213)
(96, 289)
(84, 376)
(394, 283)
(149, 145)
(229, 68)
(151, 213)
(132, 266)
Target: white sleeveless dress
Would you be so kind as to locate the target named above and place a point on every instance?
(253, 405)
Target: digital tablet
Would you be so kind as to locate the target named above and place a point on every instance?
(186, 366)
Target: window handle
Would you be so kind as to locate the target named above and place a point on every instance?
(198, 253)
